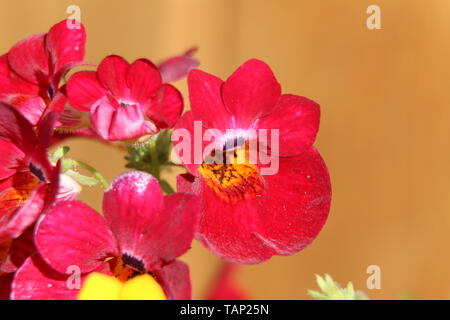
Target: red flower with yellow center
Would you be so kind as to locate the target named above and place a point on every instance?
(261, 196)
(142, 233)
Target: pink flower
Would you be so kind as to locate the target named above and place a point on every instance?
(247, 216)
(142, 232)
(176, 68)
(28, 181)
(119, 97)
(31, 72)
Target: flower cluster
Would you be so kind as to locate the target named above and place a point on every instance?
(55, 247)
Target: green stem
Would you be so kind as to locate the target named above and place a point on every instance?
(154, 156)
(94, 172)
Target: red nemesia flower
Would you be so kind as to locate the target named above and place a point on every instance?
(225, 287)
(120, 95)
(28, 181)
(248, 217)
(31, 72)
(141, 232)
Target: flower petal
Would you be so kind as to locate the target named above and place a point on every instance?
(68, 188)
(99, 286)
(187, 138)
(32, 109)
(71, 233)
(11, 82)
(229, 230)
(21, 248)
(143, 79)
(113, 122)
(172, 229)
(297, 202)
(142, 287)
(251, 92)
(15, 128)
(30, 60)
(36, 280)
(178, 67)
(10, 160)
(206, 100)
(129, 207)
(26, 215)
(6, 280)
(112, 73)
(65, 45)
(175, 280)
(297, 119)
(84, 89)
(166, 108)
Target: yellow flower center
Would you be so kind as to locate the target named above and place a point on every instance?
(233, 178)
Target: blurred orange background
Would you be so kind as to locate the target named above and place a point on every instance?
(384, 131)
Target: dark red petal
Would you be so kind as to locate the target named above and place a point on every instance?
(166, 108)
(171, 230)
(72, 233)
(65, 45)
(12, 83)
(45, 130)
(15, 128)
(59, 102)
(35, 280)
(83, 90)
(113, 122)
(20, 93)
(10, 160)
(21, 248)
(175, 280)
(5, 285)
(206, 100)
(231, 231)
(130, 204)
(143, 79)
(297, 119)
(39, 156)
(30, 59)
(297, 202)
(251, 92)
(32, 108)
(112, 73)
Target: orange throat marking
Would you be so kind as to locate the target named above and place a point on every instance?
(13, 197)
(233, 180)
(122, 268)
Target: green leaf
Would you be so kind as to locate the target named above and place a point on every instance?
(59, 153)
(82, 179)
